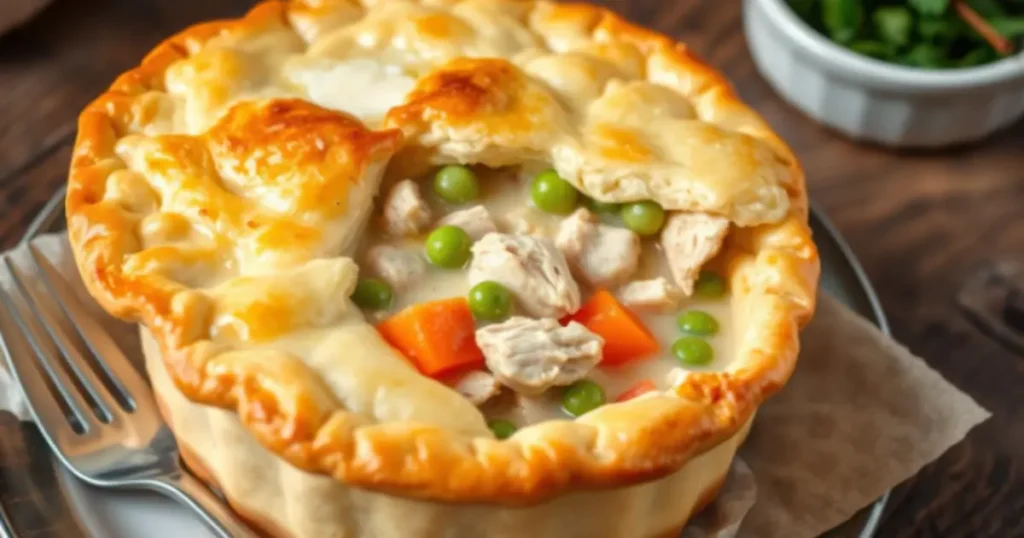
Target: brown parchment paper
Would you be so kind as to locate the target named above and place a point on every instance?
(860, 415)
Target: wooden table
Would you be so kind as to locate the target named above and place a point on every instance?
(921, 223)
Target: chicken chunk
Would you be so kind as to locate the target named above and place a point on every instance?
(531, 268)
(475, 221)
(399, 267)
(477, 386)
(690, 240)
(405, 210)
(533, 355)
(599, 254)
(656, 294)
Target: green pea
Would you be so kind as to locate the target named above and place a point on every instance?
(598, 206)
(693, 351)
(373, 294)
(490, 301)
(709, 285)
(448, 247)
(553, 194)
(502, 429)
(644, 218)
(456, 184)
(582, 397)
(698, 323)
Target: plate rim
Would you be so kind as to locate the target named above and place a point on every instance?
(876, 510)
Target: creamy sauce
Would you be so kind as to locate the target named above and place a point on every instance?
(342, 85)
(506, 195)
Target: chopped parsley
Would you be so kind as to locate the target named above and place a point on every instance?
(934, 34)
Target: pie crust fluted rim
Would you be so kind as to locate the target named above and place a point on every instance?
(772, 269)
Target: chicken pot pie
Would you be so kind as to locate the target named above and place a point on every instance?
(477, 268)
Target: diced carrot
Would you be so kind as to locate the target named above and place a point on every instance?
(642, 387)
(438, 337)
(625, 337)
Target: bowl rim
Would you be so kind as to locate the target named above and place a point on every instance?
(847, 63)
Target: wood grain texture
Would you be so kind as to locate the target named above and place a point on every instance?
(29, 485)
(922, 223)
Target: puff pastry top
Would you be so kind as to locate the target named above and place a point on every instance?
(217, 189)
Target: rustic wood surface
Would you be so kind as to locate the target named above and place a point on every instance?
(922, 223)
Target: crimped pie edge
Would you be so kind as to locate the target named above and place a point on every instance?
(773, 272)
(294, 503)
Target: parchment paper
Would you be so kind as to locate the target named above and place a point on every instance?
(860, 415)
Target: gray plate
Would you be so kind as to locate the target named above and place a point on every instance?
(32, 502)
(843, 277)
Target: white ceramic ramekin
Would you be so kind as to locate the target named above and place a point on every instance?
(875, 101)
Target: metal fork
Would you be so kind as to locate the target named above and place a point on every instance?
(92, 406)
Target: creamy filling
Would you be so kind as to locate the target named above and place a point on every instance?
(506, 195)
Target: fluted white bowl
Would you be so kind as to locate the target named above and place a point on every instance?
(874, 101)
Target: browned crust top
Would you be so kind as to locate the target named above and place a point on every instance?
(773, 271)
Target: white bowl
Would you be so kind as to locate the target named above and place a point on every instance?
(875, 101)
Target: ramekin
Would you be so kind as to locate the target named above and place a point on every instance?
(282, 501)
(874, 101)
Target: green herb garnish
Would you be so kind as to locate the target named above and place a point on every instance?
(934, 34)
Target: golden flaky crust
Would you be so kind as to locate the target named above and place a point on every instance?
(217, 212)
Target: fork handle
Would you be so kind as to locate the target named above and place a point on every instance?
(192, 493)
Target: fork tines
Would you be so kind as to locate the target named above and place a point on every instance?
(74, 376)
